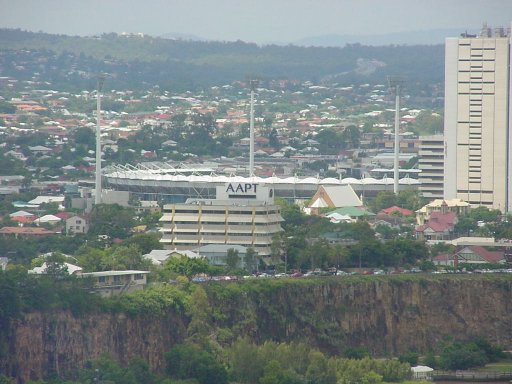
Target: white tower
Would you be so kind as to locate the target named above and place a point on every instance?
(254, 84)
(396, 84)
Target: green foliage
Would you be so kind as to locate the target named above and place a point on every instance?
(232, 259)
(186, 266)
(476, 353)
(112, 220)
(187, 361)
(409, 357)
(6, 380)
(145, 242)
(153, 301)
(106, 370)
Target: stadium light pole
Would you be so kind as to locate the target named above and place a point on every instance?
(101, 79)
(395, 85)
(253, 84)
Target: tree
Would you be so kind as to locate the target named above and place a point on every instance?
(146, 242)
(250, 259)
(186, 361)
(232, 258)
(319, 370)
(128, 257)
(112, 220)
(185, 266)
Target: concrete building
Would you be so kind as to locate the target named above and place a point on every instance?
(431, 165)
(77, 225)
(478, 166)
(242, 214)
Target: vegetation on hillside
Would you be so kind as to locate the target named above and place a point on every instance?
(178, 64)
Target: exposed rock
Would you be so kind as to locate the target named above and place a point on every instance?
(385, 315)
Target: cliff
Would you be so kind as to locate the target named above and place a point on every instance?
(387, 315)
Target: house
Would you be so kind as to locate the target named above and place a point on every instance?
(26, 231)
(76, 224)
(472, 254)
(394, 210)
(354, 213)
(333, 196)
(148, 206)
(47, 200)
(160, 256)
(48, 219)
(457, 206)
(71, 269)
(439, 226)
(110, 283)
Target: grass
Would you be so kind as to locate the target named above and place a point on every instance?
(504, 365)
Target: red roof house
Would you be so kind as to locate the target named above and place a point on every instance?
(472, 254)
(439, 226)
(395, 209)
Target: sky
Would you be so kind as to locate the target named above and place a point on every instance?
(260, 21)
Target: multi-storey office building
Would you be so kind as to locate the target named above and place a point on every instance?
(243, 214)
(431, 165)
(477, 119)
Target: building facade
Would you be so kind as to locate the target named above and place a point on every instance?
(477, 119)
(243, 214)
(431, 164)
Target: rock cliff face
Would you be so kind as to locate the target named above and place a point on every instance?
(386, 315)
(61, 343)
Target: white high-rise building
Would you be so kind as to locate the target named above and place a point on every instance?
(431, 165)
(478, 128)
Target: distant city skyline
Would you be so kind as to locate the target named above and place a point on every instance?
(263, 21)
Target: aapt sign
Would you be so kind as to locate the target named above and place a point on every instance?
(241, 190)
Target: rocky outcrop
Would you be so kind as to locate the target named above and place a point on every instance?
(386, 315)
(61, 343)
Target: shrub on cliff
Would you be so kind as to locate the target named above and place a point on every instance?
(477, 353)
(187, 361)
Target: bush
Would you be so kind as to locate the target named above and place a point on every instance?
(409, 357)
(186, 361)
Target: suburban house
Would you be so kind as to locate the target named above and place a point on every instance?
(472, 254)
(438, 227)
(394, 210)
(456, 206)
(76, 224)
(110, 283)
(26, 231)
(354, 213)
(69, 268)
(160, 256)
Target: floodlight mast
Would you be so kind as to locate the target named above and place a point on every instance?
(396, 85)
(97, 197)
(253, 84)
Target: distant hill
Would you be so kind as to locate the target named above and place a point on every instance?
(139, 61)
(435, 36)
(182, 36)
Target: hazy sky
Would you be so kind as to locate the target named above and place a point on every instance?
(251, 20)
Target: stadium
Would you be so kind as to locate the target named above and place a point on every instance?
(168, 183)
